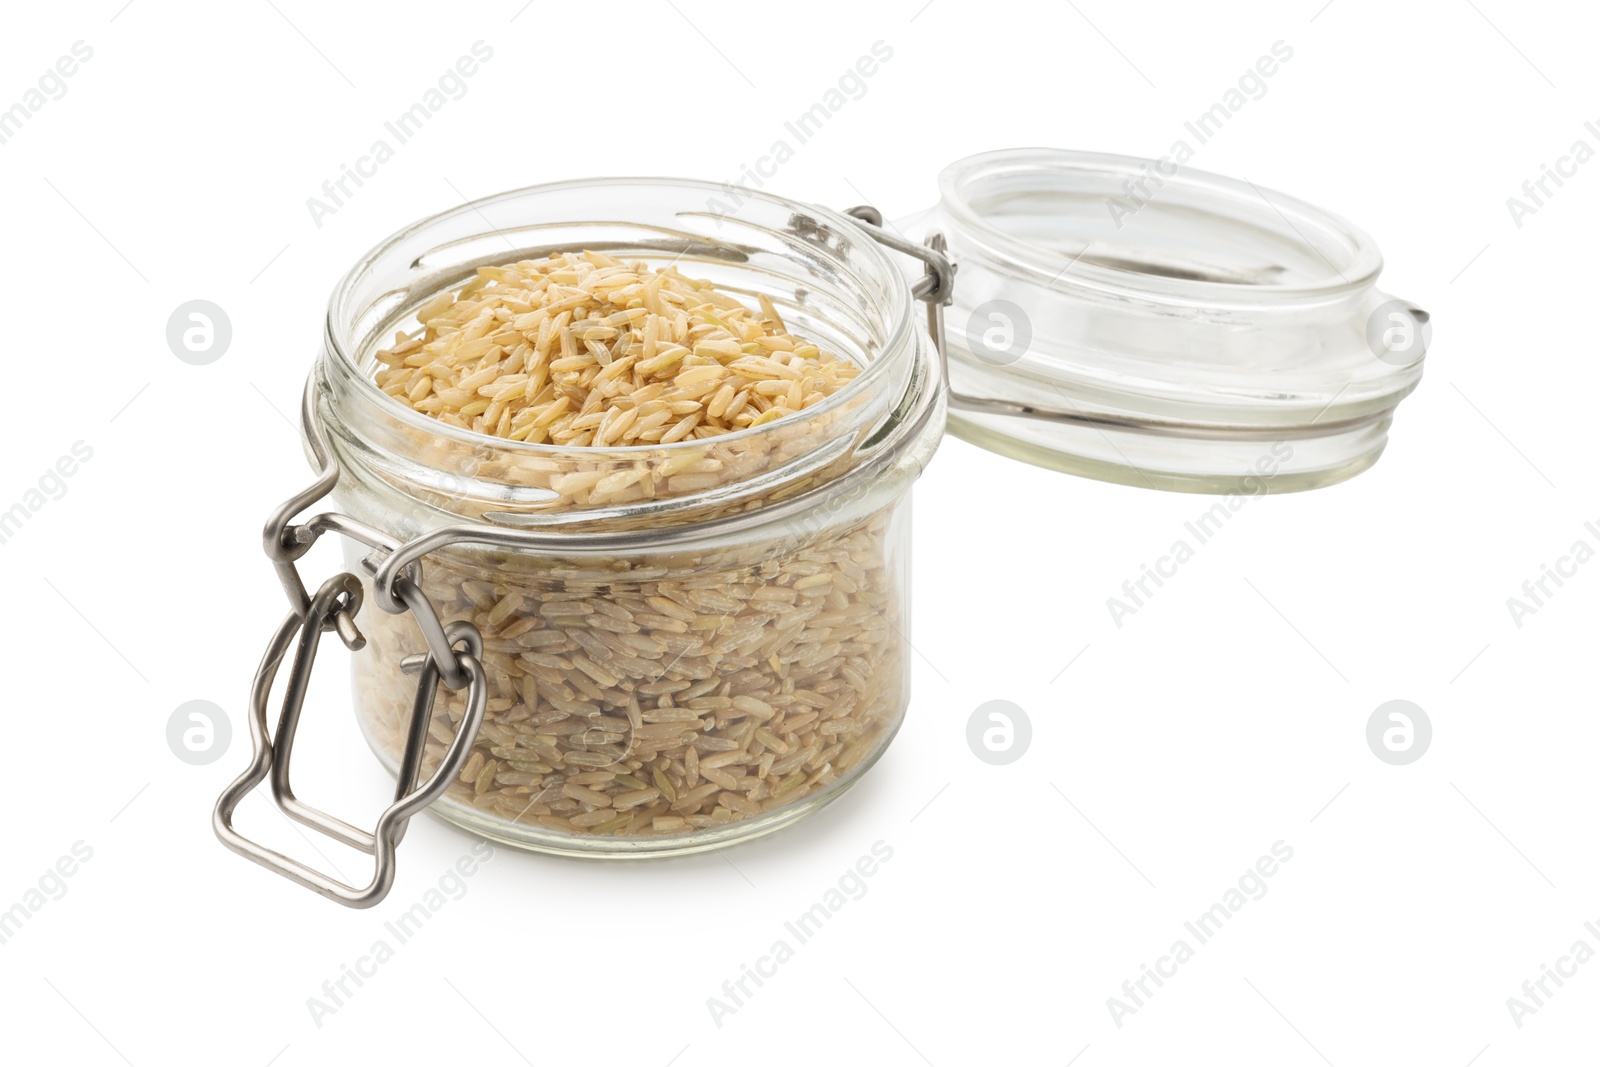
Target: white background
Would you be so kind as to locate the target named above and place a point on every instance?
(1225, 716)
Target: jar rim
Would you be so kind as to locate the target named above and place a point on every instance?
(1063, 170)
(340, 309)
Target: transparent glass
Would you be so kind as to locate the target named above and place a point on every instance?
(750, 660)
(1233, 323)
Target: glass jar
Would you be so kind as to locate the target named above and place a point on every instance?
(658, 649)
(681, 645)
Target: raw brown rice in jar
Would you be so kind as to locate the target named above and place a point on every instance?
(704, 429)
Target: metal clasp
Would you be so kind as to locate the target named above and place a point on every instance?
(453, 657)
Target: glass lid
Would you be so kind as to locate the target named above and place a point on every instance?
(1141, 322)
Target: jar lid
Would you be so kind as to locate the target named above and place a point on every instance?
(1141, 322)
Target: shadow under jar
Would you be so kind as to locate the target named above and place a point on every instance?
(709, 640)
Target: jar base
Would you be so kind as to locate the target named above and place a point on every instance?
(596, 847)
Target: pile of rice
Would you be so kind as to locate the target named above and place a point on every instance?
(581, 350)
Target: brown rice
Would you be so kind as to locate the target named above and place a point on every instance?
(663, 693)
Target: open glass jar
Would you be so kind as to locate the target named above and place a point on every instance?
(659, 648)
